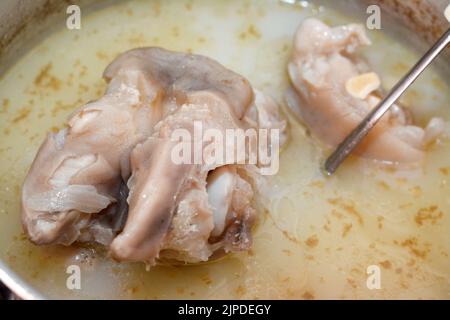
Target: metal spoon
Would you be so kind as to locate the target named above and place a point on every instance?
(355, 137)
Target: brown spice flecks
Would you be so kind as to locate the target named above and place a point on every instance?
(308, 296)
(206, 279)
(318, 183)
(337, 214)
(55, 129)
(384, 185)
(251, 31)
(352, 283)
(312, 241)
(289, 237)
(83, 71)
(431, 214)
(21, 114)
(346, 229)
(132, 290)
(386, 264)
(240, 291)
(61, 107)
(413, 245)
(327, 225)
(416, 191)
(45, 79)
(348, 207)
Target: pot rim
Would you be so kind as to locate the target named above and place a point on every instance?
(17, 285)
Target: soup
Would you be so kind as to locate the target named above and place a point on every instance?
(317, 236)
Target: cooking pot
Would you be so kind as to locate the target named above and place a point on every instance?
(23, 22)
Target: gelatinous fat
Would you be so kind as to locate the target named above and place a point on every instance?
(362, 85)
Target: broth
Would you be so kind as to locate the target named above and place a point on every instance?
(319, 234)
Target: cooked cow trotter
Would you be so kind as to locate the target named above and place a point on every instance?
(110, 177)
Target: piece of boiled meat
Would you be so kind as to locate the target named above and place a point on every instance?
(110, 177)
(323, 62)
